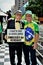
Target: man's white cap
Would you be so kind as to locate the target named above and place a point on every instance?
(19, 11)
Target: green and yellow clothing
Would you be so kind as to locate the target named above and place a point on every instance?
(31, 28)
(0, 28)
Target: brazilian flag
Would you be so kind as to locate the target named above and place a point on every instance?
(31, 28)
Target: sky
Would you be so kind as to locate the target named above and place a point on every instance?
(5, 5)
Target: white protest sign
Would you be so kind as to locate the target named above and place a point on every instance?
(14, 35)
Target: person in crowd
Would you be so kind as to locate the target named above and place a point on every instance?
(31, 39)
(15, 24)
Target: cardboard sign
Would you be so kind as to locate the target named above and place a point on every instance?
(14, 35)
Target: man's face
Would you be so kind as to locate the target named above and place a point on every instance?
(28, 17)
(18, 16)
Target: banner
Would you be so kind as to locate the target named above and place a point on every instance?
(14, 35)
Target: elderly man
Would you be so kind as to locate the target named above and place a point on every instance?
(31, 38)
(15, 24)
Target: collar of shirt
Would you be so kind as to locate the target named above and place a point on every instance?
(18, 21)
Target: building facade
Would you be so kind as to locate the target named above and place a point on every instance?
(18, 5)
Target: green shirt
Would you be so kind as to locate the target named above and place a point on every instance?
(0, 28)
(31, 29)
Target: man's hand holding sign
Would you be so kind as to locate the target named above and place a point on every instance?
(14, 35)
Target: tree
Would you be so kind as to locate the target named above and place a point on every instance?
(36, 6)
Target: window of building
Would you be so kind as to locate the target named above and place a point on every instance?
(23, 1)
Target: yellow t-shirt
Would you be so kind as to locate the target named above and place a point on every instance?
(31, 28)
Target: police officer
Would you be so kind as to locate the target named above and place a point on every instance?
(15, 24)
(31, 38)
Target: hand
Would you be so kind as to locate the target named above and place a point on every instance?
(35, 46)
(5, 37)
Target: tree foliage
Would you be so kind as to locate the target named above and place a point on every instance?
(36, 6)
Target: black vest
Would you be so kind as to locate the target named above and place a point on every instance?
(11, 24)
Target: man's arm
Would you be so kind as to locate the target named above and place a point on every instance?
(5, 34)
(36, 41)
(10, 21)
(36, 38)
